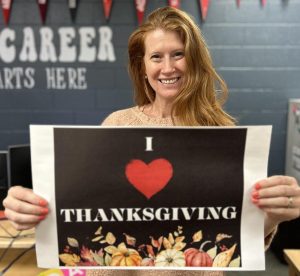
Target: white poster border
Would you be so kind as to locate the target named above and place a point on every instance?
(252, 220)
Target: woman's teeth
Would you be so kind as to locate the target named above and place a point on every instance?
(170, 81)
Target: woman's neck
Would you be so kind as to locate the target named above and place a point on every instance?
(158, 110)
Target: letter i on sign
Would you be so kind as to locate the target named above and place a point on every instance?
(149, 144)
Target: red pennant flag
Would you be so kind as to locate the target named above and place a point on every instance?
(174, 3)
(73, 5)
(6, 8)
(263, 2)
(204, 4)
(107, 8)
(43, 9)
(238, 2)
(140, 8)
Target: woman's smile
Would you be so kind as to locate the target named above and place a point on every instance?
(169, 81)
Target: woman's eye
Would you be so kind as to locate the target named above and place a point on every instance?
(155, 57)
(179, 54)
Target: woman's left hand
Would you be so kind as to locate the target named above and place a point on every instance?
(279, 197)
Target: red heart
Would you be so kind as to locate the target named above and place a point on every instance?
(149, 179)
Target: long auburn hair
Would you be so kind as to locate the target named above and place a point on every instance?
(200, 99)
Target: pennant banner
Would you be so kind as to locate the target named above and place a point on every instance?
(6, 8)
(107, 8)
(263, 2)
(43, 9)
(204, 4)
(174, 3)
(238, 2)
(140, 8)
(73, 5)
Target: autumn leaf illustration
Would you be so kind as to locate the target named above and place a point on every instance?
(69, 259)
(222, 236)
(98, 232)
(73, 242)
(110, 238)
(130, 240)
(223, 258)
(197, 236)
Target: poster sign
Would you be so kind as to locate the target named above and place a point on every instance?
(150, 197)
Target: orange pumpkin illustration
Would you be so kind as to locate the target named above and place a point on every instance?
(195, 257)
(125, 257)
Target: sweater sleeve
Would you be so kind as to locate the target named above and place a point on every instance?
(110, 120)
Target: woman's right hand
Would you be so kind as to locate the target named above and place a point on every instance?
(24, 208)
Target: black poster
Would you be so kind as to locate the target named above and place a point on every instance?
(148, 184)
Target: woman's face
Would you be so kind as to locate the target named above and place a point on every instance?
(165, 63)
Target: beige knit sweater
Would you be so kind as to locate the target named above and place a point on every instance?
(135, 117)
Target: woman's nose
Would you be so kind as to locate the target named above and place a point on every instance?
(167, 66)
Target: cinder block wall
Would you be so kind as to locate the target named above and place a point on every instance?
(255, 49)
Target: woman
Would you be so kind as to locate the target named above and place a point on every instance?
(175, 84)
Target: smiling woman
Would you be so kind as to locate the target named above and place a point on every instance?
(172, 71)
(175, 84)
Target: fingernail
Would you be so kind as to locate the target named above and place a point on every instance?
(42, 217)
(255, 195)
(257, 186)
(43, 202)
(44, 211)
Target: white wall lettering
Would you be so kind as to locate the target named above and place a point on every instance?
(67, 52)
(28, 50)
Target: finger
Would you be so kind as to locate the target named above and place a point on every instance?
(21, 227)
(277, 191)
(24, 207)
(276, 180)
(25, 194)
(278, 202)
(23, 219)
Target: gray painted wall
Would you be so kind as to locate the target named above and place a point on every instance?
(255, 49)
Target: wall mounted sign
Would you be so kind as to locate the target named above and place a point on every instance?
(140, 197)
(76, 45)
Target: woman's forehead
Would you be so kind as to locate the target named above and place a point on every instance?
(162, 38)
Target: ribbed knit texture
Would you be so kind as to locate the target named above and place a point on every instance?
(135, 117)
